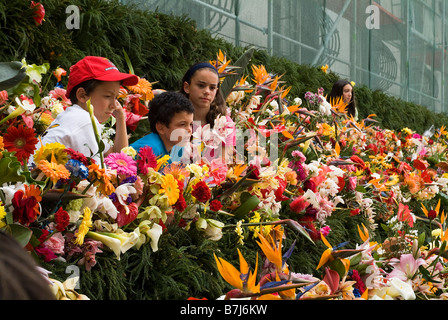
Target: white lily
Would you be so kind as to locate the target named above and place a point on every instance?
(22, 107)
(111, 242)
(152, 232)
(400, 288)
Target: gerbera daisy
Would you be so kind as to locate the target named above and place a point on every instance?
(100, 179)
(53, 170)
(56, 150)
(146, 159)
(170, 188)
(22, 140)
(177, 170)
(122, 163)
(144, 88)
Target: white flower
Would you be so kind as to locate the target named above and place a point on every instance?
(400, 288)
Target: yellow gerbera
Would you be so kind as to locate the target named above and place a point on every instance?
(55, 149)
(2, 215)
(170, 188)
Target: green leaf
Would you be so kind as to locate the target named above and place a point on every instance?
(11, 74)
(250, 204)
(21, 233)
(10, 169)
(229, 81)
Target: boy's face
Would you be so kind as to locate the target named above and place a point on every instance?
(104, 100)
(178, 132)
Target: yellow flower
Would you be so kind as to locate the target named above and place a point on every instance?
(49, 150)
(2, 215)
(162, 162)
(325, 68)
(170, 188)
(406, 130)
(84, 227)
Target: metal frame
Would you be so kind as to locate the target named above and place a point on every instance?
(406, 90)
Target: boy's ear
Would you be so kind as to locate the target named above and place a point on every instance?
(160, 127)
(81, 95)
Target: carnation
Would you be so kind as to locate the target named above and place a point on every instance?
(215, 205)
(201, 192)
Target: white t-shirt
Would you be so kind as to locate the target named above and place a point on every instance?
(73, 128)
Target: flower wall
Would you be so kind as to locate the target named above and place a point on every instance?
(305, 174)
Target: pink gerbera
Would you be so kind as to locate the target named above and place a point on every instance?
(122, 163)
(147, 159)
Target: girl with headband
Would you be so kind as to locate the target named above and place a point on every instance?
(201, 85)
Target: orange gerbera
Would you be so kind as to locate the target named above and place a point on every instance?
(20, 140)
(177, 170)
(53, 170)
(144, 88)
(100, 179)
(414, 182)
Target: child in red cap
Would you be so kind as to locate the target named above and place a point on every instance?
(98, 80)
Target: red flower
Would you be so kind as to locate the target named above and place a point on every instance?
(147, 159)
(124, 218)
(215, 205)
(22, 140)
(201, 192)
(75, 155)
(39, 12)
(280, 190)
(62, 219)
(24, 208)
(298, 205)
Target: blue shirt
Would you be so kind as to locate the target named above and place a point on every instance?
(158, 147)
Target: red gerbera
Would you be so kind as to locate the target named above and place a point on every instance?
(62, 219)
(201, 192)
(147, 159)
(22, 140)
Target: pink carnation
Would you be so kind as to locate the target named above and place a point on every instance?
(55, 243)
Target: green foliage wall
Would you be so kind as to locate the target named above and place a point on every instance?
(162, 47)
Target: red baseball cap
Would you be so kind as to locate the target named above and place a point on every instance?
(97, 68)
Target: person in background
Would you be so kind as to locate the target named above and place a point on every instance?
(96, 79)
(19, 277)
(171, 120)
(201, 84)
(344, 89)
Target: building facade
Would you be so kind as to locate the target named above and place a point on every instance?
(397, 46)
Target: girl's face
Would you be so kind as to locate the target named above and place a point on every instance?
(202, 88)
(347, 93)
